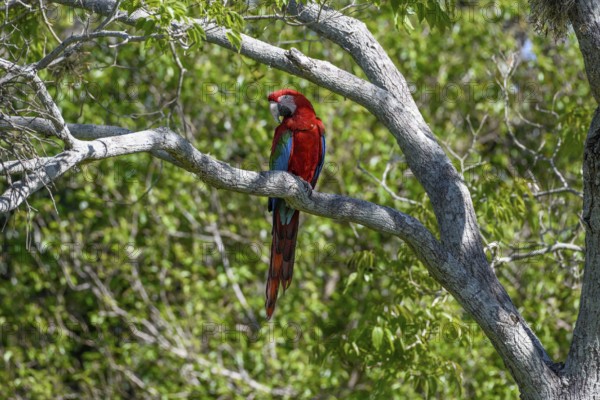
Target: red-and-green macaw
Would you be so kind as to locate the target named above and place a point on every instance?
(299, 148)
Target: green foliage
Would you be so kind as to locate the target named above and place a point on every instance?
(132, 243)
(437, 14)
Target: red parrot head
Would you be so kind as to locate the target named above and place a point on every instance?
(287, 103)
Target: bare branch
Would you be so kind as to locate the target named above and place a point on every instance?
(214, 228)
(18, 166)
(61, 129)
(320, 72)
(45, 127)
(12, 3)
(79, 131)
(54, 54)
(534, 253)
(557, 191)
(382, 182)
(47, 173)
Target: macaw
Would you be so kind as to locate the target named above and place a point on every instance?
(299, 148)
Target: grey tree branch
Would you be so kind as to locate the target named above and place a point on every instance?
(61, 129)
(79, 131)
(71, 40)
(534, 253)
(20, 166)
(51, 170)
(294, 62)
(449, 195)
(223, 176)
(45, 127)
(559, 190)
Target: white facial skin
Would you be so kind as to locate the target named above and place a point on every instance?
(274, 107)
(286, 101)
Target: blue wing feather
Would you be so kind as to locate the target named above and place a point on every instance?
(321, 162)
(279, 161)
(281, 154)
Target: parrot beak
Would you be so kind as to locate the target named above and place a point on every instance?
(274, 107)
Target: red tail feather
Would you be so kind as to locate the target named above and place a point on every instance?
(283, 249)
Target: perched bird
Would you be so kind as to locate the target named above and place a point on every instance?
(299, 148)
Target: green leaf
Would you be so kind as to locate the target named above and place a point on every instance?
(377, 337)
(351, 278)
(235, 38)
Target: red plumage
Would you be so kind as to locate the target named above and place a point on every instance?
(299, 148)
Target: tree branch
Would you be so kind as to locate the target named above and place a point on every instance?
(79, 131)
(60, 127)
(534, 253)
(449, 195)
(223, 176)
(45, 127)
(20, 166)
(75, 39)
(51, 170)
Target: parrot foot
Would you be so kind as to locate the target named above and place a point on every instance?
(308, 187)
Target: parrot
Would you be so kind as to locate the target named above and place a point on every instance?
(299, 148)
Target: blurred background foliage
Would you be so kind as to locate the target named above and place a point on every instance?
(131, 278)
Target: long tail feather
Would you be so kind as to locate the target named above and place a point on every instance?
(283, 249)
